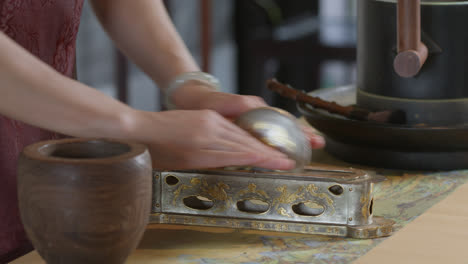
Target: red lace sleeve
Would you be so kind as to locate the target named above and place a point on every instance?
(47, 29)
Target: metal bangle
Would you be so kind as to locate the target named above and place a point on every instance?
(185, 77)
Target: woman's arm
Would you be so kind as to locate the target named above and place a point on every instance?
(144, 32)
(33, 92)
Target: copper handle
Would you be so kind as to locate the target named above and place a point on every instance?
(412, 53)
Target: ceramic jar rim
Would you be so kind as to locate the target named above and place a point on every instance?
(42, 150)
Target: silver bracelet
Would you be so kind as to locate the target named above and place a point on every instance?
(185, 77)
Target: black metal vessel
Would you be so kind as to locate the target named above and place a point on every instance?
(435, 98)
(438, 94)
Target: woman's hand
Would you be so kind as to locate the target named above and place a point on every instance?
(195, 95)
(200, 139)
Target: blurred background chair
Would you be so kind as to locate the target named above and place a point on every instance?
(285, 39)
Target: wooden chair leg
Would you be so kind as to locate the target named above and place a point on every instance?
(121, 76)
(206, 34)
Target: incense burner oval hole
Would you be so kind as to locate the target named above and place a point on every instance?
(371, 206)
(253, 206)
(336, 190)
(198, 202)
(172, 180)
(308, 209)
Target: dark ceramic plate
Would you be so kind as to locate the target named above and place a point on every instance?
(387, 145)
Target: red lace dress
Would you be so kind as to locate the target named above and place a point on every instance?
(47, 29)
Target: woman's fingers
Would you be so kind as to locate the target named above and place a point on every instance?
(276, 164)
(216, 158)
(203, 139)
(231, 105)
(242, 137)
(316, 141)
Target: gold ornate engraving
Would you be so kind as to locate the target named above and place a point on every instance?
(312, 189)
(283, 212)
(309, 193)
(195, 181)
(209, 221)
(178, 191)
(287, 198)
(252, 189)
(216, 192)
(233, 223)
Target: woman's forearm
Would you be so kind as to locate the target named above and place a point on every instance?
(144, 32)
(33, 92)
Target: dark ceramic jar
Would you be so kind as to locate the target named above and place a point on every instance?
(85, 201)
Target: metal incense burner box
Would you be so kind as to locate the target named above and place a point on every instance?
(324, 201)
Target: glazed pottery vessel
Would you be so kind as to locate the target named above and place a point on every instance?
(85, 200)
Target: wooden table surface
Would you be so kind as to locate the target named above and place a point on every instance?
(440, 235)
(403, 197)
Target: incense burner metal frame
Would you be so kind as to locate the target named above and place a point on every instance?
(325, 201)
